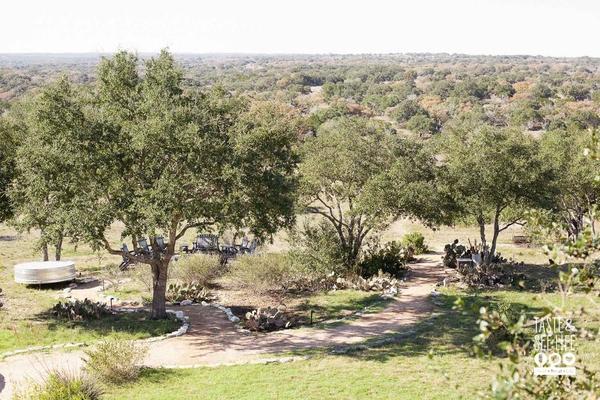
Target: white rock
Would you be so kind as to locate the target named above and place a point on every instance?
(234, 319)
(179, 314)
(186, 303)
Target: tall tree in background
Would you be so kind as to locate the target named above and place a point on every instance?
(163, 161)
(7, 166)
(47, 165)
(360, 177)
(578, 189)
(496, 175)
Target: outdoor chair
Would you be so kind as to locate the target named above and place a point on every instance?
(229, 251)
(184, 248)
(248, 247)
(160, 242)
(126, 260)
(143, 246)
(207, 243)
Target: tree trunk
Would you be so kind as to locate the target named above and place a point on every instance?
(492, 252)
(45, 251)
(481, 223)
(58, 248)
(159, 289)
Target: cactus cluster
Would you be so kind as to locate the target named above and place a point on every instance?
(193, 291)
(80, 310)
(266, 320)
(382, 282)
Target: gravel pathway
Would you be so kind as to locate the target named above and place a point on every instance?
(212, 340)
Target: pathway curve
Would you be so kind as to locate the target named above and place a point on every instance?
(213, 340)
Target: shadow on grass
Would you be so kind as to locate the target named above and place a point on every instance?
(137, 324)
(446, 331)
(344, 307)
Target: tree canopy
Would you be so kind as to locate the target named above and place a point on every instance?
(359, 177)
(496, 175)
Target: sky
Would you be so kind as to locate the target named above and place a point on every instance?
(535, 27)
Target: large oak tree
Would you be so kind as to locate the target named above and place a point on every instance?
(162, 161)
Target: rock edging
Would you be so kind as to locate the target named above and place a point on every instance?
(34, 349)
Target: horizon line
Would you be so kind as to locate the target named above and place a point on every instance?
(99, 53)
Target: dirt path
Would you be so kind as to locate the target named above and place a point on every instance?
(213, 340)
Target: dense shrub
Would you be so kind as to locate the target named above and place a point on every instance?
(61, 385)
(198, 268)
(276, 272)
(80, 310)
(390, 258)
(115, 361)
(415, 242)
(317, 248)
(178, 292)
(264, 272)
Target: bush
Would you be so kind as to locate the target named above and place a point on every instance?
(316, 248)
(178, 292)
(80, 310)
(264, 272)
(61, 385)
(452, 252)
(196, 268)
(415, 241)
(115, 361)
(390, 259)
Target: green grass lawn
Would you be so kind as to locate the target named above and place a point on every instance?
(49, 331)
(433, 363)
(337, 304)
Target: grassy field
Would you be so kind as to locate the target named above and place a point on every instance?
(434, 363)
(25, 320)
(437, 357)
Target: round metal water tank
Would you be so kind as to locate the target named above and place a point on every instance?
(39, 272)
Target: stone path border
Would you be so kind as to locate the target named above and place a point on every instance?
(182, 330)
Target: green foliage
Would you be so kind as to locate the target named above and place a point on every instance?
(358, 177)
(452, 252)
(421, 124)
(194, 291)
(496, 175)
(7, 166)
(198, 268)
(80, 310)
(62, 385)
(316, 247)
(577, 188)
(415, 243)
(140, 150)
(270, 272)
(115, 361)
(391, 258)
(47, 164)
